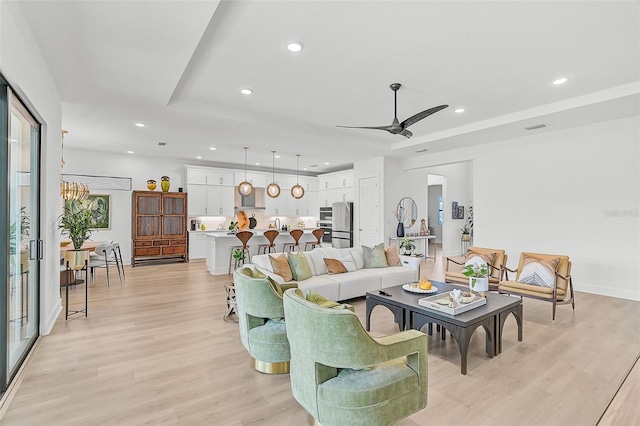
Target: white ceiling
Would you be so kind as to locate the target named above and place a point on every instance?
(178, 66)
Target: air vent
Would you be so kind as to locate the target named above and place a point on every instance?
(162, 144)
(536, 127)
(313, 165)
(422, 150)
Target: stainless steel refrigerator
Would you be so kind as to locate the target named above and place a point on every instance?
(342, 224)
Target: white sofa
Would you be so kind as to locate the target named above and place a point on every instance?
(343, 286)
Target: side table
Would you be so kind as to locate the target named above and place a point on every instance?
(231, 303)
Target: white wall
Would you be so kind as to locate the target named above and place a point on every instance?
(573, 192)
(23, 65)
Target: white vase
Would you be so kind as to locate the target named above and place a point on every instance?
(479, 284)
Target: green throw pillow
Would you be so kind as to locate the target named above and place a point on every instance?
(320, 300)
(252, 272)
(299, 266)
(375, 257)
(275, 285)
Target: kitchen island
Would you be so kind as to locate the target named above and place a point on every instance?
(219, 243)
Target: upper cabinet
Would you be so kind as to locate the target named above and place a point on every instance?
(209, 177)
(334, 187)
(257, 179)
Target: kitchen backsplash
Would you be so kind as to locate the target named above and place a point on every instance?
(212, 223)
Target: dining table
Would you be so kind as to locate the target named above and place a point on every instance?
(87, 245)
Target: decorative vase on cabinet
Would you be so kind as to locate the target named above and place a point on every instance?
(165, 183)
(400, 230)
(151, 184)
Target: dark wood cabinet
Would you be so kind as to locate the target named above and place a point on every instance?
(159, 226)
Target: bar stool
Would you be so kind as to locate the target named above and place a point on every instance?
(244, 237)
(318, 233)
(271, 236)
(295, 234)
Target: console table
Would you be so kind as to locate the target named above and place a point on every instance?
(425, 242)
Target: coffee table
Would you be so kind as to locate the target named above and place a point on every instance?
(408, 314)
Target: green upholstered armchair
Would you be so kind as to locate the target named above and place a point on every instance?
(343, 376)
(261, 321)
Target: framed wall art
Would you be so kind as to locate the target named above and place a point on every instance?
(100, 207)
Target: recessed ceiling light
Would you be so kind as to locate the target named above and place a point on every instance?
(560, 81)
(304, 168)
(326, 164)
(246, 91)
(257, 164)
(277, 156)
(459, 110)
(130, 152)
(141, 125)
(295, 46)
(199, 157)
(212, 148)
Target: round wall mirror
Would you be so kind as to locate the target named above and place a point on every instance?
(407, 212)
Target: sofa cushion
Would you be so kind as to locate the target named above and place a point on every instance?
(334, 266)
(317, 256)
(325, 284)
(357, 283)
(391, 253)
(395, 275)
(299, 265)
(538, 272)
(374, 257)
(280, 266)
(358, 256)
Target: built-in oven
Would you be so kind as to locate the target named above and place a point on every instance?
(326, 216)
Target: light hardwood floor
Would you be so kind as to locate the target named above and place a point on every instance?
(155, 350)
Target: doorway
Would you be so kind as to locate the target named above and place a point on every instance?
(19, 298)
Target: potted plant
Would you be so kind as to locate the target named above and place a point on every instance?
(465, 232)
(407, 245)
(77, 224)
(233, 226)
(478, 274)
(239, 256)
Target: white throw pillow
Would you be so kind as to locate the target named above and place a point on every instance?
(476, 261)
(358, 256)
(317, 258)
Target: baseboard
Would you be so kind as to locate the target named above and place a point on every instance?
(17, 380)
(47, 325)
(607, 291)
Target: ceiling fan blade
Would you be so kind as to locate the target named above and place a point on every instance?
(419, 116)
(406, 133)
(387, 128)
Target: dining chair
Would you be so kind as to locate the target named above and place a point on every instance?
(101, 260)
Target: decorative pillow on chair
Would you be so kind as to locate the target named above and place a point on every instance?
(300, 268)
(334, 266)
(281, 267)
(375, 257)
(539, 272)
(391, 254)
(473, 258)
(320, 300)
(252, 272)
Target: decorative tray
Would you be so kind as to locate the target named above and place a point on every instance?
(413, 288)
(437, 303)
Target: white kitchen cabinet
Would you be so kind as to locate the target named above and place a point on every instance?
(280, 206)
(197, 200)
(207, 176)
(197, 245)
(220, 200)
(258, 180)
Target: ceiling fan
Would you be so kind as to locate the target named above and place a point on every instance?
(396, 127)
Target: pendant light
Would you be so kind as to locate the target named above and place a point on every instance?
(71, 190)
(273, 189)
(245, 188)
(297, 191)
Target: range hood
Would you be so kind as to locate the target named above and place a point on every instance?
(253, 201)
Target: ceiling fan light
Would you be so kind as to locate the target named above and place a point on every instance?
(245, 188)
(297, 191)
(273, 190)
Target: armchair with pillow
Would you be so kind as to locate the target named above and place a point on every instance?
(343, 376)
(541, 276)
(261, 320)
(494, 258)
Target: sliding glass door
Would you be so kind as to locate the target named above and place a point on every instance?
(20, 214)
